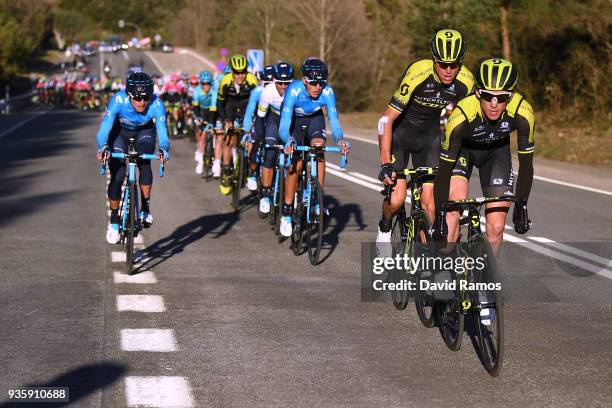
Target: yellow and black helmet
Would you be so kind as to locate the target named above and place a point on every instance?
(448, 46)
(238, 63)
(496, 74)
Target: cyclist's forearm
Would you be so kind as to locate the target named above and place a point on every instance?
(525, 176)
(103, 132)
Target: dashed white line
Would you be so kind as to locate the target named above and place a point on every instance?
(141, 278)
(117, 257)
(575, 251)
(140, 303)
(158, 392)
(152, 340)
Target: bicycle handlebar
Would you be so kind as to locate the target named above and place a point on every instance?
(143, 156)
(318, 148)
(477, 202)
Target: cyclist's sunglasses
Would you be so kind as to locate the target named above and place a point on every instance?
(316, 82)
(141, 98)
(239, 72)
(501, 97)
(282, 83)
(446, 65)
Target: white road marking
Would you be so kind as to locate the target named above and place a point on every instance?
(142, 278)
(140, 303)
(117, 257)
(158, 392)
(108, 213)
(575, 251)
(202, 59)
(154, 61)
(126, 56)
(153, 340)
(138, 239)
(20, 124)
(335, 170)
(546, 179)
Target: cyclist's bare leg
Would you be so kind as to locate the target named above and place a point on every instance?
(427, 200)
(219, 145)
(227, 150)
(146, 190)
(398, 197)
(495, 214)
(321, 163)
(291, 182)
(266, 177)
(458, 191)
(201, 141)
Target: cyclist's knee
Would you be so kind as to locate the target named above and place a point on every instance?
(146, 174)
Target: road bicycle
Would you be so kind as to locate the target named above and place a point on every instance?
(130, 225)
(278, 189)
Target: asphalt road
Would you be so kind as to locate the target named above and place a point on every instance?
(222, 315)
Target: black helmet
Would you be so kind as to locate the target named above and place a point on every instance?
(314, 69)
(283, 71)
(139, 84)
(267, 74)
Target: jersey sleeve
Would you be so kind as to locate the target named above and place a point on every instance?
(287, 113)
(250, 109)
(195, 98)
(264, 103)
(112, 110)
(525, 129)
(159, 114)
(332, 114)
(415, 75)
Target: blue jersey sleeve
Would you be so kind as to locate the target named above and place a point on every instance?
(332, 115)
(287, 112)
(250, 109)
(159, 113)
(112, 110)
(195, 98)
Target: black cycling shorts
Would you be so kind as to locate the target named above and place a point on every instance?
(422, 144)
(234, 109)
(315, 124)
(494, 165)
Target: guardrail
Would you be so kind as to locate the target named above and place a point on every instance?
(16, 102)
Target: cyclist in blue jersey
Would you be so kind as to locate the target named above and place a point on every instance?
(265, 77)
(219, 131)
(135, 112)
(205, 108)
(268, 110)
(303, 106)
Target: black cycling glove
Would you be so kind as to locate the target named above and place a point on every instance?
(386, 170)
(521, 220)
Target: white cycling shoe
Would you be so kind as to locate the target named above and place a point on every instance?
(216, 168)
(383, 244)
(285, 226)
(252, 183)
(112, 234)
(199, 158)
(146, 218)
(264, 205)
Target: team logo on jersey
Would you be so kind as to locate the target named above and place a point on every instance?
(498, 181)
(108, 113)
(451, 88)
(327, 91)
(295, 92)
(505, 125)
(430, 85)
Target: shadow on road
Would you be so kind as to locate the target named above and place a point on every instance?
(217, 225)
(341, 217)
(82, 382)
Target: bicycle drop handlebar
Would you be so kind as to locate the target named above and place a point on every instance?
(143, 156)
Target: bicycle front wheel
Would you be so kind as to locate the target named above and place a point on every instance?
(299, 216)
(314, 231)
(489, 328)
(425, 305)
(130, 229)
(237, 179)
(399, 238)
(280, 199)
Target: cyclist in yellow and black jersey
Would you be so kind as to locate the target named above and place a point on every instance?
(410, 125)
(233, 97)
(478, 134)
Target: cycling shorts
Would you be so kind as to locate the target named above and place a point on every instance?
(422, 144)
(315, 124)
(494, 165)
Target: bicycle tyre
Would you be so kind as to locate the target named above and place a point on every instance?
(130, 230)
(208, 156)
(425, 307)
(278, 210)
(399, 237)
(299, 213)
(314, 230)
(490, 338)
(237, 180)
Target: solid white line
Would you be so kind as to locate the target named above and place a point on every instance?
(200, 58)
(162, 391)
(117, 257)
(154, 61)
(546, 179)
(355, 174)
(140, 303)
(20, 124)
(355, 180)
(154, 340)
(126, 56)
(138, 239)
(575, 251)
(143, 278)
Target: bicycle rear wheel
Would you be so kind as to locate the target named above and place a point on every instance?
(237, 179)
(208, 156)
(314, 232)
(451, 323)
(280, 199)
(399, 237)
(130, 229)
(425, 305)
(490, 337)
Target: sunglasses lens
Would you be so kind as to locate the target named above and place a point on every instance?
(501, 98)
(317, 83)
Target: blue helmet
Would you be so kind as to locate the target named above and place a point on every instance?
(227, 69)
(139, 84)
(267, 74)
(314, 69)
(205, 77)
(283, 71)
